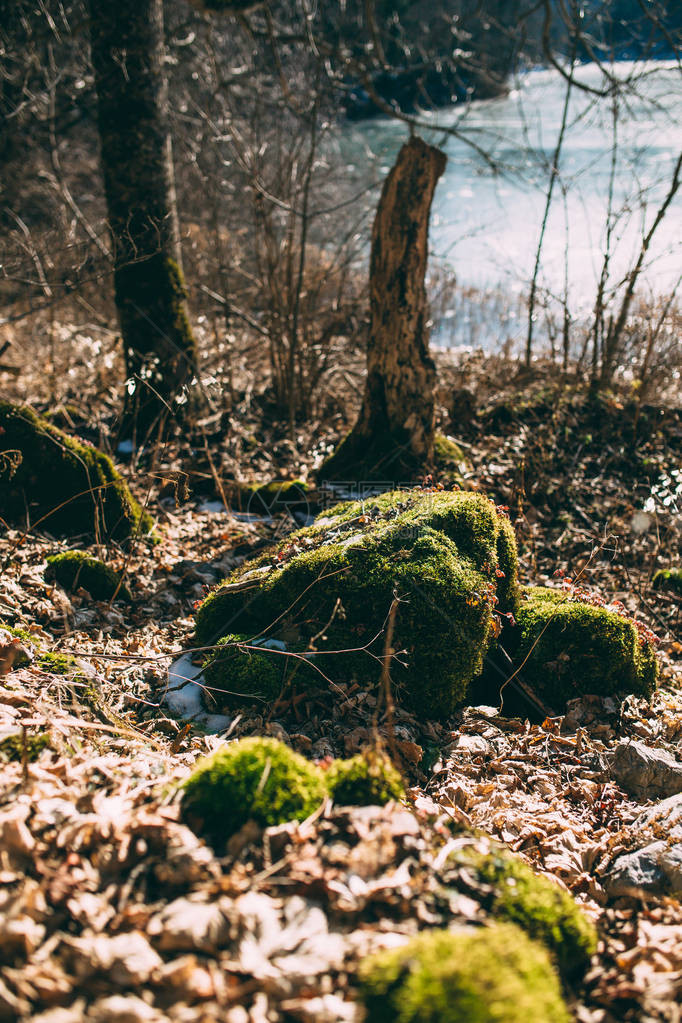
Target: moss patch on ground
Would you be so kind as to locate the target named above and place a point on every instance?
(490, 975)
(74, 569)
(253, 779)
(66, 486)
(368, 779)
(252, 676)
(669, 579)
(545, 911)
(449, 557)
(566, 648)
(12, 747)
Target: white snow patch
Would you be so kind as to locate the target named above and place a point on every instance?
(183, 696)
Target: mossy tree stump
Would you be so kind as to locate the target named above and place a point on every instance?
(393, 438)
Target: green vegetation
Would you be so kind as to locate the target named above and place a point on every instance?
(70, 486)
(546, 912)
(277, 495)
(74, 569)
(368, 779)
(388, 456)
(253, 779)
(574, 648)
(489, 975)
(44, 660)
(251, 676)
(448, 556)
(12, 747)
(669, 579)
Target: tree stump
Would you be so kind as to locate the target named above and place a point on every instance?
(394, 434)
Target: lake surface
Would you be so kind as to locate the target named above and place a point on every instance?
(486, 221)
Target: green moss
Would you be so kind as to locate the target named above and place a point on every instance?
(573, 648)
(12, 747)
(275, 496)
(73, 569)
(44, 660)
(253, 779)
(546, 912)
(252, 676)
(65, 486)
(332, 585)
(368, 779)
(388, 457)
(669, 579)
(490, 975)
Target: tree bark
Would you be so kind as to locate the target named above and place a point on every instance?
(132, 104)
(395, 429)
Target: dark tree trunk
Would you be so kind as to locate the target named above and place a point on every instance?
(127, 57)
(394, 433)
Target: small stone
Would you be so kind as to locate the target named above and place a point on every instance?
(646, 773)
(654, 870)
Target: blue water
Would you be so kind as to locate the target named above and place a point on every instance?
(486, 221)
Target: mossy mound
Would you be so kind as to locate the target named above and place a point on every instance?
(68, 487)
(669, 579)
(74, 569)
(273, 497)
(546, 912)
(252, 676)
(449, 557)
(573, 648)
(252, 779)
(490, 975)
(368, 779)
(388, 457)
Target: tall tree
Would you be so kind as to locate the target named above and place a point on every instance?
(395, 432)
(160, 351)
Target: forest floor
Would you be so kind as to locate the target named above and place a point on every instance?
(116, 912)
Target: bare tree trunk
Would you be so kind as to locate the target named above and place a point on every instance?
(127, 56)
(395, 429)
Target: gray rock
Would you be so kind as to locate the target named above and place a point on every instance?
(656, 867)
(654, 870)
(646, 773)
(667, 815)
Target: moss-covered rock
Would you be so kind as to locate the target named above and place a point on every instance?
(74, 569)
(368, 779)
(669, 579)
(568, 648)
(67, 486)
(450, 558)
(273, 497)
(545, 911)
(252, 676)
(490, 975)
(252, 779)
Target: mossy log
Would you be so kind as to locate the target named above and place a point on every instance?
(326, 591)
(62, 485)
